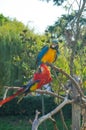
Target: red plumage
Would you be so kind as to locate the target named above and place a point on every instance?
(39, 79)
(44, 76)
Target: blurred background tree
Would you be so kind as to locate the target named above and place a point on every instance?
(70, 29)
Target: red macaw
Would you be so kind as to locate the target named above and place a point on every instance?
(40, 78)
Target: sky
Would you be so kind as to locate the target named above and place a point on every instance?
(34, 13)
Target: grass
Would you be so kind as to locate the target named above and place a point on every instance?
(22, 123)
(14, 123)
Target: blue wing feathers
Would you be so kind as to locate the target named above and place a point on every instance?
(41, 54)
(28, 86)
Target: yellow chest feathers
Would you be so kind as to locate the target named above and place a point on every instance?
(50, 56)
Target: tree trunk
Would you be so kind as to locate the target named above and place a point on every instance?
(83, 119)
(75, 116)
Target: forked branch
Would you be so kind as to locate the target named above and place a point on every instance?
(38, 121)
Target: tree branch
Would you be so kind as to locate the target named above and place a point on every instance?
(78, 19)
(63, 121)
(49, 93)
(54, 123)
(9, 88)
(69, 77)
(37, 122)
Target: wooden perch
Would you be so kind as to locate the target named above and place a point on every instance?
(9, 88)
(49, 93)
(38, 91)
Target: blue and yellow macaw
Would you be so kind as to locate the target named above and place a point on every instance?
(48, 54)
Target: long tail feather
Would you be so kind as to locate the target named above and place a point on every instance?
(2, 102)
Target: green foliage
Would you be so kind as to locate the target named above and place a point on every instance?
(20, 114)
(30, 104)
(27, 106)
(17, 53)
(9, 47)
(3, 19)
(22, 123)
(14, 123)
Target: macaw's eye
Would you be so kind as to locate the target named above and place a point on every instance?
(42, 69)
(39, 70)
(54, 46)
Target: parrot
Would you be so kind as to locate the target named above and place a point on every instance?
(48, 53)
(40, 78)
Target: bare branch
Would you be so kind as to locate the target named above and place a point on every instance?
(49, 93)
(37, 122)
(69, 77)
(54, 122)
(5, 94)
(78, 19)
(37, 113)
(63, 121)
(9, 88)
(12, 87)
